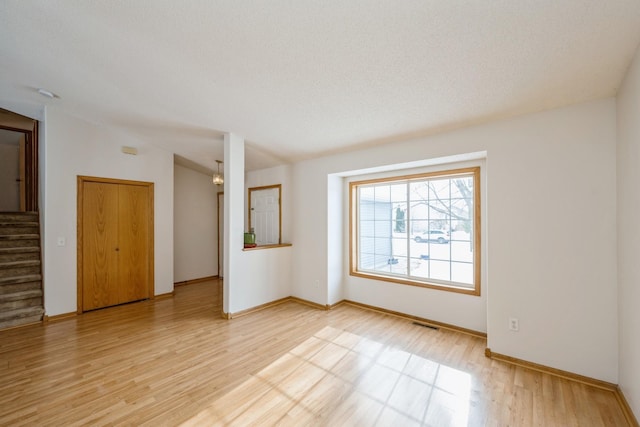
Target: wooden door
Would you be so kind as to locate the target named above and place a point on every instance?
(133, 243)
(115, 242)
(99, 245)
(22, 173)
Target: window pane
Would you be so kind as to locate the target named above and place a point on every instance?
(399, 246)
(399, 265)
(462, 251)
(383, 228)
(439, 210)
(383, 193)
(399, 211)
(382, 211)
(420, 269)
(439, 251)
(419, 190)
(419, 210)
(462, 230)
(383, 247)
(367, 245)
(382, 263)
(366, 229)
(461, 209)
(439, 270)
(418, 227)
(366, 211)
(366, 261)
(439, 189)
(366, 193)
(462, 272)
(462, 187)
(399, 192)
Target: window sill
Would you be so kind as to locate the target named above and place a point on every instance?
(257, 248)
(402, 281)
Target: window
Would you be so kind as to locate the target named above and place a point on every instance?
(421, 230)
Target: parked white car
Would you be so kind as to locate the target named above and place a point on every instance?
(433, 236)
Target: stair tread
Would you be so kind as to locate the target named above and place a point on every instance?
(21, 263)
(20, 295)
(20, 213)
(21, 279)
(21, 312)
(19, 249)
(19, 236)
(18, 223)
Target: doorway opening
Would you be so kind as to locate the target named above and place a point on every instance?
(18, 163)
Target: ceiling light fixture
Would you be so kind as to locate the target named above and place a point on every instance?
(217, 177)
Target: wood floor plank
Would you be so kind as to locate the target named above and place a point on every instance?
(175, 361)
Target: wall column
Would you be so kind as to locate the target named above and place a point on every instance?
(233, 216)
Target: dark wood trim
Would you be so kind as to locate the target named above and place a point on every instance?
(366, 307)
(192, 281)
(257, 248)
(274, 303)
(37, 323)
(592, 382)
(310, 303)
(257, 308)
(419, 319)
(58, 317)
(166, 295)
(553, 371)
(626, 409)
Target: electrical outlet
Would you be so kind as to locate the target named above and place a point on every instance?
(317, 283)
(62, 241)
(514, 324)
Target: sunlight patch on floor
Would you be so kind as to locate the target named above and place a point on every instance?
(339, 378)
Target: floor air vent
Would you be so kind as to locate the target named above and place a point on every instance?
(435, 328)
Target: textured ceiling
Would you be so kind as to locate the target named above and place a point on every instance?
(299, 79)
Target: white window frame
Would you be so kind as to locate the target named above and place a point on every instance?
(406, 279)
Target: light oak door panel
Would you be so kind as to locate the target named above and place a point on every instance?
(99, 249)
(115, 242)
(133, 232)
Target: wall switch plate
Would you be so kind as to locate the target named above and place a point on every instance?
(514, 324)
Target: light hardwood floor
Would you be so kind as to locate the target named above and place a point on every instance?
(176, 362)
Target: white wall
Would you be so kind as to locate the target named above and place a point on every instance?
(263, 277)
(195, 230)
(73, 147)
(252, 278)
(628, 114)
(550, 239)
